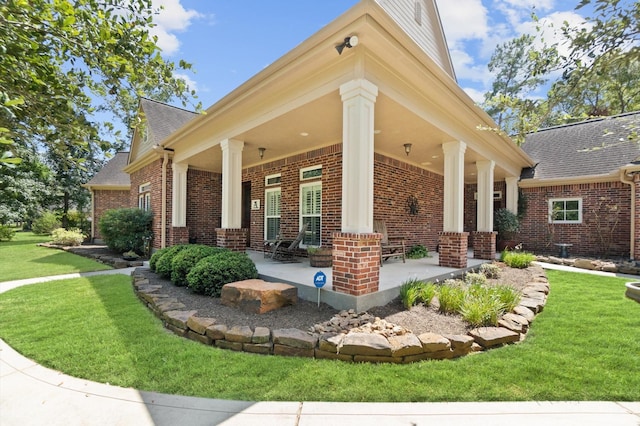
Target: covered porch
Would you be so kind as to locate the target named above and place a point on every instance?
(392, 275)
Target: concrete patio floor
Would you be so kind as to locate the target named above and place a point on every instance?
(392, 274)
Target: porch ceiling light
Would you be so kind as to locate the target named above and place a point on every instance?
(407, 148)
(261, 152)
(349, 42)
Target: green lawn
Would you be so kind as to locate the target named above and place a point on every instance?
(584, 346)
(23, 258)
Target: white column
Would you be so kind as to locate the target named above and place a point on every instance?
(179, 195)
(485, 195)
(512, 194)
(454, 186)
(358, 99)
(231, 183)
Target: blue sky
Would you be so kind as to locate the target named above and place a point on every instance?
(228, 41)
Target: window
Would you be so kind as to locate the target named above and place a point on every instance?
(311, 211)
(565, 210)
(144, 196)
(272, 180)
(272, 214)
(309, 173)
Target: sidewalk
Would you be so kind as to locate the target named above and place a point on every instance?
(34, 395)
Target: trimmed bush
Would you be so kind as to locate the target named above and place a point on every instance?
(125, 229)
(45, 224)
(67, 237)
(211, 273)
(164, 262)
(417, 252)
(6, 233)
(188, 258)
(490, 270)
(473, 278)
(517, 259)
(155, 256)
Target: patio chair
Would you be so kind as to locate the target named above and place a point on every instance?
(284, 250)
(389, 247)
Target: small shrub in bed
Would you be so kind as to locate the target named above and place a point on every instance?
(517, 259)
(155, 256)
(414, 291)
(187, 258)
(6, 233)
(450, 298)
(45, 224)
(490, 270)
(211, 273)
(474, 278)
(164, 263)
(417, 252)
(64, 237)
(125, 229)
(509, 297)
(480, 307)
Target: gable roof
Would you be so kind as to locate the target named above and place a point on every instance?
(593, 149)
(111, 176)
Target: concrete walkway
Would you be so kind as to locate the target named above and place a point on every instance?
(31, 394)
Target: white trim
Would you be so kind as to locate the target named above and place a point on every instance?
(274, 176)
(308, 169)
(318, 214)
(565, 200)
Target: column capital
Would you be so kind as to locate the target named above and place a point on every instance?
(180, 167)
(359, 87)
(231, 144)
(454, 147)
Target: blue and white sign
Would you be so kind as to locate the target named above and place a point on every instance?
(319, 279)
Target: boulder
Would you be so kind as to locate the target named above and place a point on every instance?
(432, 342)
(366, 344)
(585, 264)
(258, 296)
(489, 337)
(294, 338)
(406, 344)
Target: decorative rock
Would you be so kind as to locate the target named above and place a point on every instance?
(225, 344)
(585, 264)
(533, 293)
(291, 351)
(366, 344)
(178, 318)
(525, 312)
(320, 354)
(239, 333)
(216, 331)
(199, 337)
(493, 336)
(406, 344)
(539, 287)
(258, 348)
(294, 338)
(459, 341)
(535, 305)
(199, 325)
(261, 335)
(377, 359)
(258, 296)
(169, 304)
(331, 343)
(432, 342)
(514, 322)
(609, 267)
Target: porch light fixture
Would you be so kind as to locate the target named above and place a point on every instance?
(407, 148)
(261, 152)
(349, 42)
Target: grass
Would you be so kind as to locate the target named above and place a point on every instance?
(584, 346)
(22, 258)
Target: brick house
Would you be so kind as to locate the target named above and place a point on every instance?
(364, 120)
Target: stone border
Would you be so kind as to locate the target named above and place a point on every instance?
(373, 342)
(622, 267)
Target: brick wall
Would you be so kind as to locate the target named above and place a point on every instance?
(605, 228)
(104, 200)
(204, 205)
(152, 173)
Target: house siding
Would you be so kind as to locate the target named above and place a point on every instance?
(107, 199)
(606, 216)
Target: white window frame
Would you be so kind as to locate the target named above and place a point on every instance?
(268, 178)
(318, 214)
(144, 196)
(565, 200)
(308, 169)
(267, 216)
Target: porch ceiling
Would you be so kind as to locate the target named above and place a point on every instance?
(319, 123)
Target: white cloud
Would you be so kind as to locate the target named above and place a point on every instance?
(476, 95)
(463, 20)
(172, 18)
(191, 83)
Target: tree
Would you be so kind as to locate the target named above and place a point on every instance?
(59, 59)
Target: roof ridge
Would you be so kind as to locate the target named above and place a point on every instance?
(167, 105)
(588, 120)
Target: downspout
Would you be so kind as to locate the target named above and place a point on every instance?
(163, 215)
(624, 178)
(93, 214)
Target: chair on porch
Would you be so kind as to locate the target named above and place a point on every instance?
(389, 247)
(284, 250)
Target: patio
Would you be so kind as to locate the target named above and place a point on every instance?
(392, 275)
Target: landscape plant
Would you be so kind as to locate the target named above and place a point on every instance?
(211, 273)
(163, 264)
(517, 259)
(417, 251)
(6, 233)
(45, 224)
(125, 229)
(187, 258)
(451, 294)
(490, 270)
(415, 291)
(67, 237)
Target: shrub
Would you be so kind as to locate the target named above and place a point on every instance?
(509, 297)
(187, 258)
(516, 259)
(45, 224)
(475, 278)
(211, 273)
(164, 262)
(125, 229)
(6, 233)
(426, 292)
(481, 309)
(409, 293)
(490, 270)
(70, 237)
(155, 256)
(506, 223)
(417, 252)
(450, 298)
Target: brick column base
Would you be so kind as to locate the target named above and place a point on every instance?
(232, 239)
(356, 263)
(453, 249)
(484, 245)
(178, 235)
